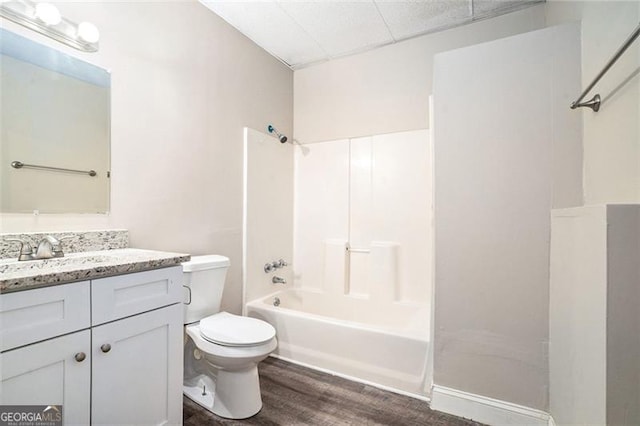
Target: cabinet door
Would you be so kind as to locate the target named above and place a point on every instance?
(137, 369)
(49, 373)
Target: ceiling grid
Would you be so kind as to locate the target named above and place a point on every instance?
(304, 32)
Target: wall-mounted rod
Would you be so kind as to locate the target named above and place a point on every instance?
(594, 103)
(20, 165)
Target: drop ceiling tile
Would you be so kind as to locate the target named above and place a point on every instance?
(413, 17)
(300, 32)
(267, 25)
(340, 27)
(491, 8)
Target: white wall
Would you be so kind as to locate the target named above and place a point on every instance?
(498, 175)
(594, 319)
(623, 316)
(268, 212)
(184, 85)
(387, 90)
(612, 135)
(578, 316)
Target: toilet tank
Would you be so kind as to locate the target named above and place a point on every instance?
(203, 278)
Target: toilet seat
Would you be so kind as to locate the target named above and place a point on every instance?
(226, 329)
(233, 356)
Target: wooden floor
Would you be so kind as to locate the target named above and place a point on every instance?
(294, 395)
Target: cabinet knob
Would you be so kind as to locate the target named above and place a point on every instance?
(80, 356)
(105, 348)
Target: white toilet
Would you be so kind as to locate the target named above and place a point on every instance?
(221, 350)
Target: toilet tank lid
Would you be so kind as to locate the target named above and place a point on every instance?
(201, 263)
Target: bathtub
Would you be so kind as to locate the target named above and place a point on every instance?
(381, 344)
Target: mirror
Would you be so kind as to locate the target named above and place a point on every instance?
(54, 130)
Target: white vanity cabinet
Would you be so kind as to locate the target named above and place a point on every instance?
(108, 350)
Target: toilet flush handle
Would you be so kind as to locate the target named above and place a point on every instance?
(189, 290)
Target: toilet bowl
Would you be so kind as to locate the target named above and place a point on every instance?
(221, 350)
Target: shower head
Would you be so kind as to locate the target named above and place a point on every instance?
(282, 138)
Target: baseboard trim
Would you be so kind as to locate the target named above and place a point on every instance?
(485, 410)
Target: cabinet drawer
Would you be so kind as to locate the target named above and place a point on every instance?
(32, 315)
(125, 295)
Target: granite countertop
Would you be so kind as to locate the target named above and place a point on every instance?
(26, 275)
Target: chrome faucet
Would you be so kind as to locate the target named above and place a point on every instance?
(278, 280)
(47, 248)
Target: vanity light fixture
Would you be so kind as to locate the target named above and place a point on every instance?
(46, 19)
(48, 13)
(88, 32)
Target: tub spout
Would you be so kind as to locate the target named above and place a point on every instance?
(278, 280)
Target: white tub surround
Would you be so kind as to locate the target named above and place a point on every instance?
(380, 344)
(363, 217)
(357, 298)
(361, 271)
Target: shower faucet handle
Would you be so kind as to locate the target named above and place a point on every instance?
(272, 266)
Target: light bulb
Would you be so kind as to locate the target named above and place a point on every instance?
(48, 13)
(88, 32)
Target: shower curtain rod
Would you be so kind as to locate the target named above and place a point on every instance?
(594, 103)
